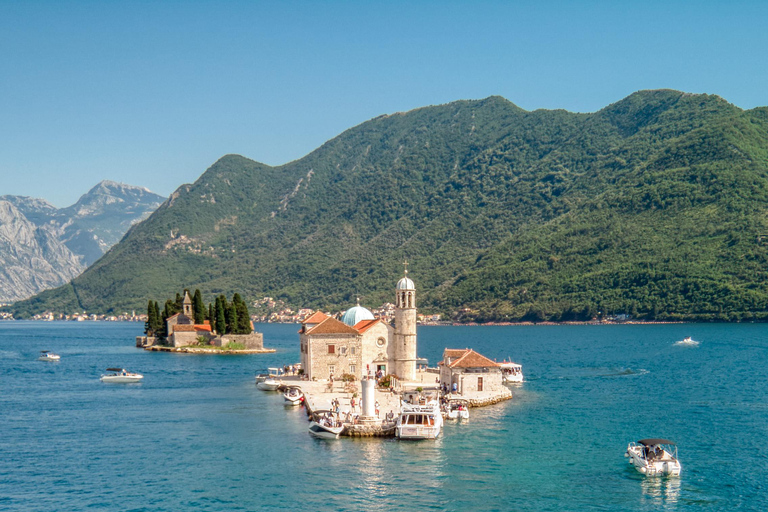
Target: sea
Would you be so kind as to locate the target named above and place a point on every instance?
(197, 435)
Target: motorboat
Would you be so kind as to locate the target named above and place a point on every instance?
(121, 375)
(47, 355)
(511, 373)
(269, 381)
(325, 426)
(422, 421)
(457, 409)
(654, 457)
(293, 396)
(687, 341)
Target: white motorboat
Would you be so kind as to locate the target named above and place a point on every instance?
(511, 373)
(325, 426)
(293, 396)
(47, 355)
(457, 409)
(654, 457)
(419, 421)
(120, 375)
(269, 381)
(687, 341)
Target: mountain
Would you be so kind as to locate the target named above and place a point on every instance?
(43, 247)
(654, 206)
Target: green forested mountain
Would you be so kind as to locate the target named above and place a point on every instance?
(654, 206)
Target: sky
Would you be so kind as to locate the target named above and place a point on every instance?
(153, 93)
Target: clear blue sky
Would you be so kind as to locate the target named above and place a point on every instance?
(152, 93)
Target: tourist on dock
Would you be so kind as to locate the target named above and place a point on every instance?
(376, 405)
(352, 403)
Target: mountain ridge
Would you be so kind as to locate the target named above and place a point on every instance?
(458, 189)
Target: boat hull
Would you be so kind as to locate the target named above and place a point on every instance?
(121, 379)
(322, 432)
(268, 385)
(666, 466)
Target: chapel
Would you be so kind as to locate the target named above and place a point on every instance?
(360, 344)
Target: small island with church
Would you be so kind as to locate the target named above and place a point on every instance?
(186, 325)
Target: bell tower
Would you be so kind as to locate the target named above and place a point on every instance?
(405, 328)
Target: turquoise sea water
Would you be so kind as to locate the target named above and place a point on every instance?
(198, 435)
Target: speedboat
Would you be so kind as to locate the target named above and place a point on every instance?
(688, 341)
(47, 355)
(511, 373)
(121, 375)
(269, 381)
(325, 426)
(457, 409)
(419, 421)
(654, 457)
(293, 396)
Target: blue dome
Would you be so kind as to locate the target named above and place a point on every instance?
(356, 314)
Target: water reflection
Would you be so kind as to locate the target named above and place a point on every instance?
(662, 491)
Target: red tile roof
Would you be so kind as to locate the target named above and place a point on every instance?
(332, 326)
(183, 328)
(316, 318)
(471, 359)
(202, 327)
(364, 325)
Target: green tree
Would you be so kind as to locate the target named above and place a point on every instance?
(150, 323)
(198, 308)
(221, 320)
(243, 317)
(231, 315)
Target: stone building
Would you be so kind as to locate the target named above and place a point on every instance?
(470, 372)
(360, 344)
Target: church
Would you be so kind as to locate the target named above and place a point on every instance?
(360, 344)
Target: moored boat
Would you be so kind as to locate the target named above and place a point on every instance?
(419, 421)
(269, 381)
(511, 373)
(47, 355)
(121, 375)
(325, 426)
(457, 409)
(654, 457)
(293, 396)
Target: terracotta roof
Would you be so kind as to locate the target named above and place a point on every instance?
(316, 318)
(453, 353)
(202, 327)
(364, 325)
(472, 359)
(332, 326)
(183, 328)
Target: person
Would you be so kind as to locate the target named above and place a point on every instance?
(376, 405)
(454, 388)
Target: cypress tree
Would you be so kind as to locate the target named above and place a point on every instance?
(150, 323)
(231, 317)
(210, 316)
(221, 322)
(198, 308)
(243, 317)
(159, 325)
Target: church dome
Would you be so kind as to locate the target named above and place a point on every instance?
(405, 284)
(356, 314)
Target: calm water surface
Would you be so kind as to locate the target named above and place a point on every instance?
(198, 435)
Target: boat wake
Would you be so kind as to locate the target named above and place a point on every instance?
(687, 342)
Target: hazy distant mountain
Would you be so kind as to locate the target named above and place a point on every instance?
(42, 246)
(654, 206)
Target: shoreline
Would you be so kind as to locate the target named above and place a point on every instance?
(201, 350)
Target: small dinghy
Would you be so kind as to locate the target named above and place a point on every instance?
(325, 426)
(293, 396)
(47, 355)
(121, 375)
(653, 457)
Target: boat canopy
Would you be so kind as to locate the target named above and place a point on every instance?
(114, 369)
(653, 442)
